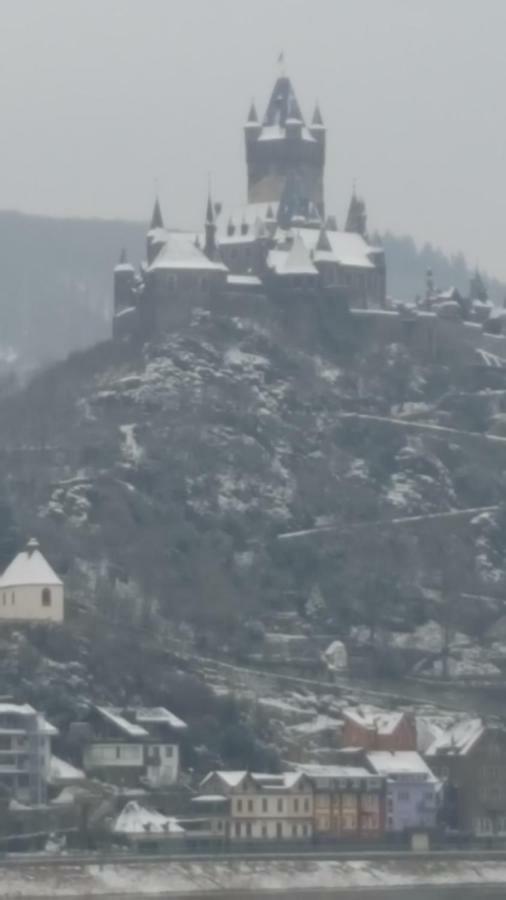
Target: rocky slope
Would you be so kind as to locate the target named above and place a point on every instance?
(163, 481)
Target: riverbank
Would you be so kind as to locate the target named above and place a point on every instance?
(176, 879)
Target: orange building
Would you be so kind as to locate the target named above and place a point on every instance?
(375, 729)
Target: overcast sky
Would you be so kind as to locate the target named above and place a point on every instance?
(98, 98)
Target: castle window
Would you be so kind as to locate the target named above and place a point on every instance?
(46, 597)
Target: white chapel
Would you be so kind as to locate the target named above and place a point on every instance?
(30, 590)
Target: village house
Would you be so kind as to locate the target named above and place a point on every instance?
(348, 802)
(412, 791)
(376, 729)
(470, 758)
(259, 806)
(25, 753)
(30, 590)
(132, 745)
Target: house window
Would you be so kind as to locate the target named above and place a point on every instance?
(279, 829)
(118, 752)
(403, 796)
(304, 830)
(248, 829)
(13, 597)
(219, 825)
(46, 597)
(264, 831)
(280, 804)
(239, 805)
(296, 805)
(238, 829)
(4, 598)
(250, 805)
(294, 831)
(264, 804)
(306, 804)
(169, 751)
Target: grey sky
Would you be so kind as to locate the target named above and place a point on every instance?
(98, 97)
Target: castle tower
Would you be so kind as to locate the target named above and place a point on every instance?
(283, 147)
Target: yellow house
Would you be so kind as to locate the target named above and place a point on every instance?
(264, 806)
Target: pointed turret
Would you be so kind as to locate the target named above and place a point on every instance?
(252, 115)
(210, 229)
(356, 220)
(252, 128)
(323, 243)
(283, 145)
(156, 218)
(317, 120)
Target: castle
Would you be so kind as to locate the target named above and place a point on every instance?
(280, 245)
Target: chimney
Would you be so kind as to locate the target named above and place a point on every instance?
(31, 546)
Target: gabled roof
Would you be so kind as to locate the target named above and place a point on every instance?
(131, 721)
(158, 715)
(295, 261)
(372, 719)
(136, 819)
(398, 762)
(231, 779)
(457, 740)
(29, 568)
(24, 710)
(113, 715)
(179, 252)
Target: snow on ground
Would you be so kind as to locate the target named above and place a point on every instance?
(185, 877)
(131, 450)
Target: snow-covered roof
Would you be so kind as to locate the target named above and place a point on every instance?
(136, 819)
(316, 770)
(374, 719)
(231, 778)
(458, 739)
(347, 248)
(398, 762)
(278, 132)
(209, 798)
(295, 261)
(62, 771)
(157, 715)
(115, 716)
(124, 267)
(25, 710)
(244, 281)
(180, 252)
(29, 568)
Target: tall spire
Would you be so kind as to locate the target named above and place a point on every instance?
(356, 220)
(123, 257)
(317, 116)
(156, 218)
(252, 115)
(210, 228)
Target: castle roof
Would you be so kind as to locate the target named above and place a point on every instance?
(295, 261)
(282, 108)
(346, 248)
(179, 252)
(29, 568)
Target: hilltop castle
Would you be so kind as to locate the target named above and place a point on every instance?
(280, 244)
